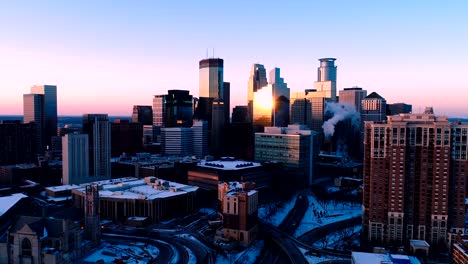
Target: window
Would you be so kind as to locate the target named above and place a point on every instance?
(26, 247)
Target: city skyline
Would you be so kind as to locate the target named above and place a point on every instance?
(106, 57)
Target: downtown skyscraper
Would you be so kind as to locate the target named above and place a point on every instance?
(98, 128)
(326, 79)
(214, 101)
(40, 107)
(174, 109)
(271, 102)
(309, 107)
(257, 80)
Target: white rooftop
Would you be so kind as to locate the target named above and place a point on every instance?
(228, 164)
(7, 202)
(235, 186)
(419, 243)
(377, 258)
(62, 188)
(134, 188)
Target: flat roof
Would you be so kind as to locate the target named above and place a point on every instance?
(419, 243)
(7, 202)
(235, 187)
(370, 258)
(378, 258)
(134, 188)
(225, 164)
(62, 188)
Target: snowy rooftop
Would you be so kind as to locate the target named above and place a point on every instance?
(144, 189)
(228, 163)
(236, 187)
(7, 202)
(62, 188)
(374, 258)
(419, 243)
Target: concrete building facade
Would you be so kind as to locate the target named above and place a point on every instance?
(292, 145)
(75, 159)
(352, 96)
(149, 197)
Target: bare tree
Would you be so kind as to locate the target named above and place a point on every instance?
(324, 241)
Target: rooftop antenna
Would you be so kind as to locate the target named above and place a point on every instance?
(213, 53)
(207, 53)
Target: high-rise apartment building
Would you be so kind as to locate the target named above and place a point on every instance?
(460, 250)
(142, 114)
(352, 96)
(373, 108)
(18, 142)
(98, 129)
(325, 85)
(75, 157)
(458, 178)
(415, 169)
(49, 105)
(173, 110)
(292, 145)
(271, 102)
(257, 80)
(239, 207)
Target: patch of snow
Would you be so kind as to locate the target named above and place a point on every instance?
(207, 211)
(277, 217)
(192, 259)
(335, 239)
(316, 260)
(249, 255)
(45, 234)
(333, 213)
(175, 257)
(6, 202)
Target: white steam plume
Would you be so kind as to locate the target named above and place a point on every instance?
(340, 111)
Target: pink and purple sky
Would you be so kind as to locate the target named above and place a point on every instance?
(106, 56)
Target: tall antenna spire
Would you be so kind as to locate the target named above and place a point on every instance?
(207, 53)
(213, 53)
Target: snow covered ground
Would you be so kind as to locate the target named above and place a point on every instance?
(249, 255)
(337, 239)
(333, 213)
(130, 252)
(192, 257)
(314, 259)
(269, 214)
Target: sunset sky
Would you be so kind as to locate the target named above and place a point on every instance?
(106, 56)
